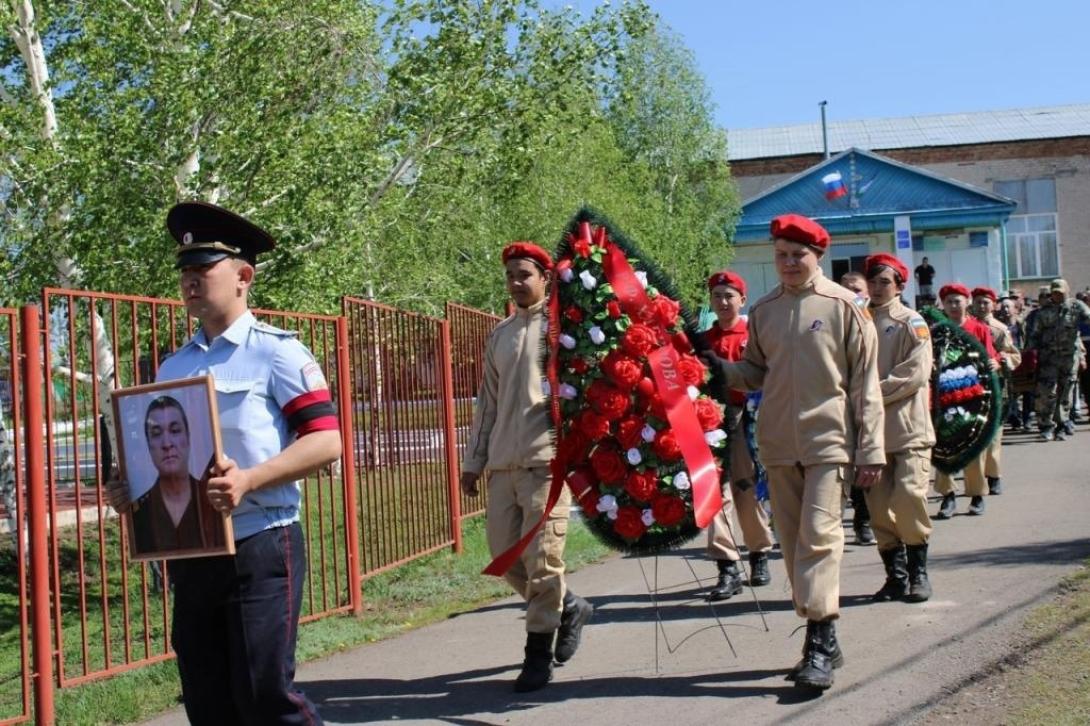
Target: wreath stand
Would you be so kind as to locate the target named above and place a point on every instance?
(654, 590)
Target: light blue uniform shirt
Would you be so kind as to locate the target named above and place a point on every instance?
(257, 369)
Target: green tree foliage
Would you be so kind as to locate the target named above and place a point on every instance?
(392, 147)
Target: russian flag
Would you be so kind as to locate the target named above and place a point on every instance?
(834, 185)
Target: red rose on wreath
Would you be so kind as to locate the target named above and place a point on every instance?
(607, 400)
(645, 388)
(642, 486)
(630, 430)
(639, 340)
(613, 309)
(594, 426)
(608, 464)
(709, 413)
(581, 247)
(629, 523)
(579, 365)
(573, 313)
(666, 446)
(574, 445)
(682, 343)
(623, 370)
(666, 310)
(668, 510)
(691, 370)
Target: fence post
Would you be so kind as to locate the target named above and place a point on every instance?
(33, 423)
(348, 465)
(447, 375)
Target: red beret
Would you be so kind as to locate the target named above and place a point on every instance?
(954, 288)
(797, 228)
(726, 277)
(985, 292)
(528, 251)
(887, 260)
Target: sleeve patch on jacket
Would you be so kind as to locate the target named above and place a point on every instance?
(919, 327)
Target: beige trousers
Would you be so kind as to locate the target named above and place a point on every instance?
(992, 455)
(806, 504)
(516, 501)
(975, 484)
(898, 500)
(742, 500)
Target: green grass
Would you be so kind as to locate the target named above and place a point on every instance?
(421, 592)
(1054, 686)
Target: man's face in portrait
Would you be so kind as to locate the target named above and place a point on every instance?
(168, 441)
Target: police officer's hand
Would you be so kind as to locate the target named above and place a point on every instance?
(228, 485)
(117, 493)
(469, 483)
(867, 476)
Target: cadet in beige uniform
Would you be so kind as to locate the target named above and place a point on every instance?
(984, 302)
(511, 438)
(813, 353)
(727, 339)
(898, 500)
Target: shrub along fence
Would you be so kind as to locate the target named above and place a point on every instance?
(403, 385)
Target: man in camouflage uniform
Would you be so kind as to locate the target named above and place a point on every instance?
(1054, 336)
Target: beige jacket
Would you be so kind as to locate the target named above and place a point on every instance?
(904, 369)
(814, 354)
(511, 426)
(1009, 355)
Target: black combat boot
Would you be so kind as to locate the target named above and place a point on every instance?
(861, 517)
(976, 506)
(729, 583)
(995, 486)
(537, 668)
(919, 587)
(758, 569)
(948, 506)
(837, 657)
(821, 657)
(577, 613)
(897, 582)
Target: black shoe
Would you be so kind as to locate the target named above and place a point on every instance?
(995, 486)
(758, 569)
(729, 583)
(896, 585)
(577, 613)
(821, 656)
(976, 506)
(537, 668)
(948, 507)
(919, 587)
(1060, 435)
(864, 535)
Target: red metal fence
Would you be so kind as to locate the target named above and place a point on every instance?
(14, 613)
(403, 384)
(469, 331)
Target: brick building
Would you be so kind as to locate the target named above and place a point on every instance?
(998, 197)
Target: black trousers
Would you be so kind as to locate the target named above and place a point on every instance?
(235, 622)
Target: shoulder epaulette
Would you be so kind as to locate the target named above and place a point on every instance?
(273, 330)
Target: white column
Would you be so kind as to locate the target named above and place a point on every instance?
(902, 248)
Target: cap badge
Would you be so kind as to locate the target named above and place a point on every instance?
(187, 238)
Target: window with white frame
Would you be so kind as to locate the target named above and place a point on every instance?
(1032, 236)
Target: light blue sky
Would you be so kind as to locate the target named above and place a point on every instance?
(769, 62)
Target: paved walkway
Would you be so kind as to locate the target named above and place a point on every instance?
(684, 663)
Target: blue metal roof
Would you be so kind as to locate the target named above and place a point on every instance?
(879, 189)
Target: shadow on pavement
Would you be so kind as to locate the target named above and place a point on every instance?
(1046, 553)
(455, 697)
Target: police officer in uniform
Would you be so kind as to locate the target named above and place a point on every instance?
(813, 353)
(1054, 336)
(236, 617)
(727, 339)
(510, 437)
(898, 500)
